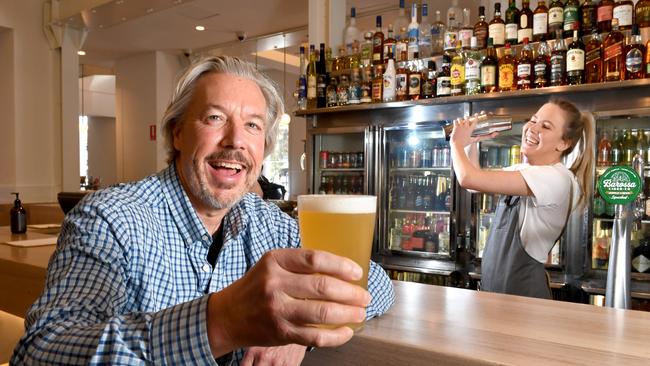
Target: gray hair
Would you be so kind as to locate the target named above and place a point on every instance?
(227, 65)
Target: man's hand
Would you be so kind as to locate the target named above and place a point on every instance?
(277, 300)
(289, 355)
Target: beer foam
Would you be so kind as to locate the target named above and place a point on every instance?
(347, 204)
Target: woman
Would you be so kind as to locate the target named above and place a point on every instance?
(537, 197)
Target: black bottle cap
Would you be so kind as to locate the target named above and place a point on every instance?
(17, 202)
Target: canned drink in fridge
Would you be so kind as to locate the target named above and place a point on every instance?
(331, 160)
(426, 158)
(515, 154)
(403, 161)
(493, 157)
(445, 160)
(483, 157)
(504, 156)
(353, 160)
(345, 162)
(324, 159)
(435, 156)
(414, 159)
(360, 159)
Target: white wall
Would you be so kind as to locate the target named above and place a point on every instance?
(30, 145)
(101, 149)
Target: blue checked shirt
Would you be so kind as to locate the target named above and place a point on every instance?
(128, 282)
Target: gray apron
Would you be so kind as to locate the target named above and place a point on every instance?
(506, 267)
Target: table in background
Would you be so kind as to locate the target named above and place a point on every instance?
(22, 270)
(432, 325)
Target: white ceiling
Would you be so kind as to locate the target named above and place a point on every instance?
(119, 28)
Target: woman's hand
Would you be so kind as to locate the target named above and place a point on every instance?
(462, 133)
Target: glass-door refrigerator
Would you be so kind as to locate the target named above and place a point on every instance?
(417, 198)
(341, 163)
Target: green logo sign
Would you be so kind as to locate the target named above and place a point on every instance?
(619, 185)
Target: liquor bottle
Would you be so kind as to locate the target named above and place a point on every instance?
(438, 30)
(378, 44)
(489, 69)
(604, 150)
(415, 79)
(342, 96)
(312, 77)
(429, 82)
(401, 81)
(413, 33)
(366, 86)
(571, 17)
(589, 16)
(444, 77)
(330, 92)
(555, 16)
(497, 27)
(525, 22)
(512, 22)
(634, 53)
(401, 48)
(458, 71)
(525, 67)
(451, 33)
(366, 50)
(354, 91)
(542, 68)
(402, 21)
(558, 61)
(321, 79)
(605, 11)
(629, 147)
(302, 82)
(593, 59)
(641, 257)
(481, 28)
(575, 61)
(388, 92)
(473, 68)
(378, 84)
(647, 60)
(425, 40)
(351, 33)
(456, 11)
(612, 51)
(389, 44)
(467, 31)
(642, 17)
(624, 12)
(507, 70)
(616, 155)
(540, 22)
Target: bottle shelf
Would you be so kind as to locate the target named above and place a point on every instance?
(419, 211)
(441, 169)
(325, 170)
(602, 219)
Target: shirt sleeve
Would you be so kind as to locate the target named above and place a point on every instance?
(86, 315)
(548, 184)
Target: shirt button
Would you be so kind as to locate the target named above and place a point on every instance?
(205, 237)
(206, 268)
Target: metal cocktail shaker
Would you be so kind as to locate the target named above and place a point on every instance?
(485, 124)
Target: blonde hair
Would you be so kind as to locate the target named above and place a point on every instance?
(186, 84)
(580, 126)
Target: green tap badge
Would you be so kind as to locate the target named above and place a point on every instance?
(619, 185)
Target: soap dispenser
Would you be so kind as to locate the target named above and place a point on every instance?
(18, 217)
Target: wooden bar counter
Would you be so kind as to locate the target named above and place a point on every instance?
(432, 325)
(22, 270)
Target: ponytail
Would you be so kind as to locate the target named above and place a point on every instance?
(580, 132)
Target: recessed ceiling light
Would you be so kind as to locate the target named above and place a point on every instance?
(199, 28)
(81, 53)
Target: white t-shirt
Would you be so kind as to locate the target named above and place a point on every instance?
(543, 215)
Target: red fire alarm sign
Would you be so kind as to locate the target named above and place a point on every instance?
(152, 132)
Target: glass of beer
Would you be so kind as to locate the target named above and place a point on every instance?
(340, 224)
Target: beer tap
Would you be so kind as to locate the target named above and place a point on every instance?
(638, 164)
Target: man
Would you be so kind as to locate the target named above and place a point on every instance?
(185, 267)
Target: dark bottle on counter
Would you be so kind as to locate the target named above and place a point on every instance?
(378, 44)
(429, 84)
(634, 54)
(444, 77)
(18, 217)
(612, 51)
(321, 79)
(593, 59)
(575, 61)
(542, 65)
(589, 16)
(571, 17)
(481, 29)
(512, 22)
(558, 61)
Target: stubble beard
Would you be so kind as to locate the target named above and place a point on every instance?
(201, 188)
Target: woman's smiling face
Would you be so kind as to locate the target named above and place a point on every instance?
(541, 138)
